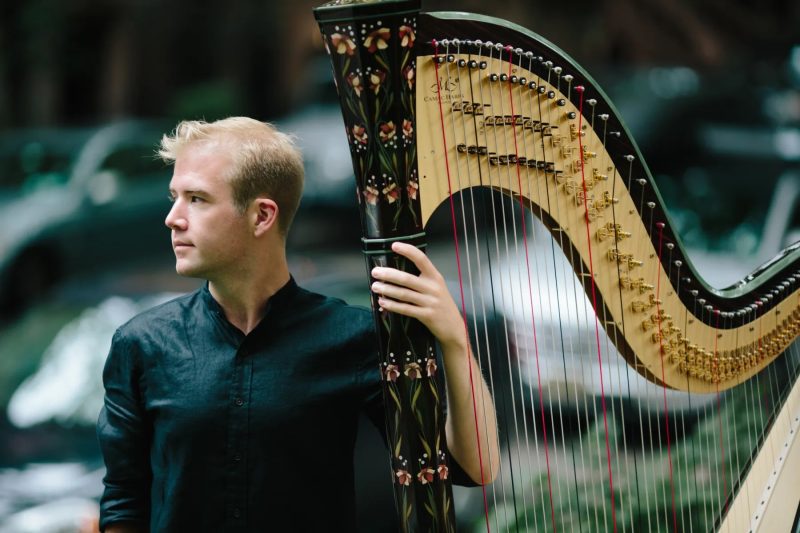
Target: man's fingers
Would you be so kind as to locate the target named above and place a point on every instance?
(396, 292)
(416, 256)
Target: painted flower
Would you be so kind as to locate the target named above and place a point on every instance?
(387, 131)
(407, 36)
(408, 128)
(354, 80)
(408, 75)
(430, 366)
(403, 477)
(426, 475)
(343, 44)
(377, 40)
(360, 134)
(413, 371)
(392, 194)
(443, 472)
(376, 78)
(391, 373)
(371, 195)
(411, 189)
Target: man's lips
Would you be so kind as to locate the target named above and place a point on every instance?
(181, 244)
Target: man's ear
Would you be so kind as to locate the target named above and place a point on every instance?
(266, 216)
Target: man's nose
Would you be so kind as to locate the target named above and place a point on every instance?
(175, 218)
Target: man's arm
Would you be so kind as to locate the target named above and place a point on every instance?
(425, 297)
(124, 438)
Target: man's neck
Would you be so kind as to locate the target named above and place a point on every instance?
(244, 298)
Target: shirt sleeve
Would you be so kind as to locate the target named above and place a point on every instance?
(124, 437)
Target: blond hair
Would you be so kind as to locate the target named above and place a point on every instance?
(265, 161)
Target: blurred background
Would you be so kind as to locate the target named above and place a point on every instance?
(710, 90)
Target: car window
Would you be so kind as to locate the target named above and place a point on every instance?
(32, 165)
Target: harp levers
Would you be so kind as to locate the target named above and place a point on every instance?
(632, 395)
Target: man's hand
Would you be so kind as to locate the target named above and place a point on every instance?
(425, 297)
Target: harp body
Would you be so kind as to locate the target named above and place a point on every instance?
(435, 109)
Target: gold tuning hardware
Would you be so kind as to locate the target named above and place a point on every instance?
(587, 154)
(633, 262)
(654, 300)
(567, 150)
(573, 132)
(597, 177)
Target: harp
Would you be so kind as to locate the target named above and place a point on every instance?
(515, 142)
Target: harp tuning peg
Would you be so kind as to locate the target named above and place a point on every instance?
(629, 158)
(498, 47)
(694, 292)
(571, 115)
(518, 51)
(531, 84)
(579, 89)
(616, 134)
(478, 42)
(514, 79)
(642, 182)
(557, 70)
(701, 301)
(529, 54)
(652, 205)
(490, 44)
(568, 78)
(456, 42)
(523, 81)
(678, 263)
(604, 116)
(687, 280)
(592, 102)
(561, 102)
(548, 64)
(670, 246)
(659, 225)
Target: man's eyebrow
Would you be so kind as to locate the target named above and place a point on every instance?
(199, 192)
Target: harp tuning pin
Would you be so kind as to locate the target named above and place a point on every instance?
(518, 51)
(445, 42)
(523, 81)
(462, 62)
(568, 78)
(498, 47)
(603, 116)
(539, 59)
(489, 44)
(592, 102)
(531, 84)
(659, 225)
(529, 54)
(483, 65)
(763, 300)
(571, 115)
(469, 42)
(473, 64)
(493, 77)
(579, 88)
(542, 89)
(561, 102)
(701, 301)
(694, 292)
(670, 246)
(551, 94)
(548, 64)
(652, 205)
(504, 77)
(557, 70)
(709, 307)
(616, 134)
(678, 263)
(769, 296)
(456, 42)
(514, 79)
(687, 280)
(642, 181)
(629, 158)
(451, 58)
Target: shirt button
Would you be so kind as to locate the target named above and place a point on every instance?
(239, 402)
(237, 513)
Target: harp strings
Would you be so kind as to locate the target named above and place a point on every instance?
(695, 451)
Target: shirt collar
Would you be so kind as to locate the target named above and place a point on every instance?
(276, 301)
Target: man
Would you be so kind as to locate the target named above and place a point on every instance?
(235, 407)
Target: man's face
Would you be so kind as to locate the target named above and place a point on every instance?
(209, 235)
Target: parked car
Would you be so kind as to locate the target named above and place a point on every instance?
(79, 200)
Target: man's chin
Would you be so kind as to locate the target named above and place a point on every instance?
(189, 271)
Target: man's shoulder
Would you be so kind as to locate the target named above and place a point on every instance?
(160, 317)
(332, 308)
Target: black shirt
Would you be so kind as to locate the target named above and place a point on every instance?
(207, 429)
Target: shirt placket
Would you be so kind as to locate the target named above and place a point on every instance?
(238, 436)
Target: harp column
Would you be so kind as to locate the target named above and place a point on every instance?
(373, 51)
